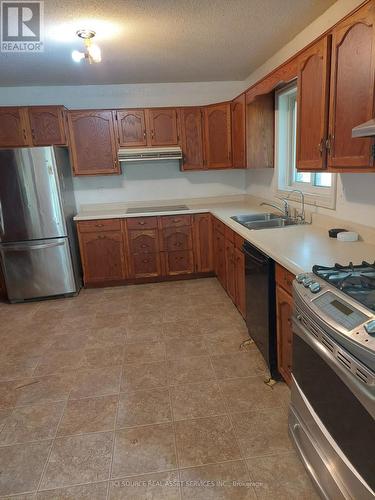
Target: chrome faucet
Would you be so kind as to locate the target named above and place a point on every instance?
(284, 210)
(300, 216)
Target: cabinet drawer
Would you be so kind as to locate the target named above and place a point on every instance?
(146, 265)
(284, 278)
(144, 241)
(179, 262)
(142, 222)
(175, 220)
(90, 226)
(179, 238)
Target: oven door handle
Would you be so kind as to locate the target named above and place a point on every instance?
(365, 394)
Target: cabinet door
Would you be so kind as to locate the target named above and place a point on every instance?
(14, 131)
(162, 126)
(102, 255)
(220, 268)
(240, 281)
(217, 135)
(47, 125)
(181, 262)
(260, 119)
(131, 125)
(238, 110)
(230, 268)
(143, 241)
(203, 243)
(93, 142)
(192, 138)
(284, 306)
(352, 90)
(179, 238)
(146, 265)
(312, 106)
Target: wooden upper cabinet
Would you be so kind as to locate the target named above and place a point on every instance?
(93, 142)
(352, 90)
(131, 125)
(47, 125)
(162, 124)
(238, 110)
(191, 138)
(312, 105)
(14, 131)
(260, 117)
(217, 131)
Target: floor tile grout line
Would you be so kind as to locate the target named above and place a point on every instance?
(114, 439)
(175, 440)
(52, 445)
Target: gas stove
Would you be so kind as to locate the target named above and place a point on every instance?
(342, 301)
(357, 281)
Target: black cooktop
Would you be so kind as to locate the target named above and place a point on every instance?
(356, 281)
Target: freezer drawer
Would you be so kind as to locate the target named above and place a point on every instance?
(36, 269)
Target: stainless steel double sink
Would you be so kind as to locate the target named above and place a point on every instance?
(263, 220)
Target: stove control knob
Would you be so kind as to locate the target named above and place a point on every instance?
(300, 277)
(307, 282)
(370, 327)
(314, 287)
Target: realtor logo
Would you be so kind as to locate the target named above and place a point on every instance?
(22, 27)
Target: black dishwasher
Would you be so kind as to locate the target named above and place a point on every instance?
(261, 304)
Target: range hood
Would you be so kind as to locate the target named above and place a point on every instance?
(150, 154)
(366, 129)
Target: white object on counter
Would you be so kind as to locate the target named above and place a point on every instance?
(347, 236)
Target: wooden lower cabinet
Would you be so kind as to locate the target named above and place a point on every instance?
(230, 269)
(284, 312)
(180, 262)
(102, 254)
(203, 243)
(229, 263)
(219, 252)
(240, 281)
(145, 265)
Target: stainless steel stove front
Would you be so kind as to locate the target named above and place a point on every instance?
(332, 410)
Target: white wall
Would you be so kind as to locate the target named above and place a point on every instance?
(159, 180)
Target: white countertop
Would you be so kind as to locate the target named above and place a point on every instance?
(297, 248)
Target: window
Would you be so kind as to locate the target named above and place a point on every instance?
(318, 188)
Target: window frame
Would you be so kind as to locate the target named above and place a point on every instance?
(320, 196)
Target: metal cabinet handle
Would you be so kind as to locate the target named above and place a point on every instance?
(144, 134)
(101, 237)
(144, 245)
(141, 223)
(152, 134)
(321, 146)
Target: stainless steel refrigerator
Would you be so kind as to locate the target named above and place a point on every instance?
(38, 244)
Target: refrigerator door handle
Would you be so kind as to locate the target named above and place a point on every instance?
(18, 248)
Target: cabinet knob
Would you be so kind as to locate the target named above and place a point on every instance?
(321, 146)
(144, 245)
(141, 223)
(145, 261)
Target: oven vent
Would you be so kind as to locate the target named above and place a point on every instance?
(327, 344)
(344, 360)
(361, 375)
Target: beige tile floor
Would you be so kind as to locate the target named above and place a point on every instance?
(140, 393)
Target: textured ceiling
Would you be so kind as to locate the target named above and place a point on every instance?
(160, 40)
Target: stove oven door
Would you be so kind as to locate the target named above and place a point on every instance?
(334, 408)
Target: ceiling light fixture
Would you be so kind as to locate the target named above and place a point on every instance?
(92, 54)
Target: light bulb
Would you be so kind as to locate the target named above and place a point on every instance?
(77, 56)
(94, 53)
